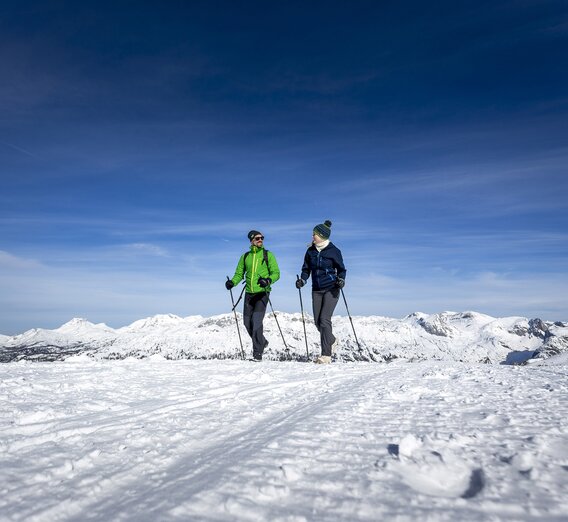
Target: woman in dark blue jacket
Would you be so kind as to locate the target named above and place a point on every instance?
(323, 261)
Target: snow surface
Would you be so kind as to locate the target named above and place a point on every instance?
(226, 440)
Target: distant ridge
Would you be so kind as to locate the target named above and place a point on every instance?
(452, 336)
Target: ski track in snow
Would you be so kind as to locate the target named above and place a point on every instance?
(230, 440)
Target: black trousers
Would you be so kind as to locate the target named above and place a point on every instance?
(253, 314)
(324, 303)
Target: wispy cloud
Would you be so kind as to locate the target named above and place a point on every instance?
(146, 248)
(18, 149)
(44, 296)
(538, 295)
(10, 261)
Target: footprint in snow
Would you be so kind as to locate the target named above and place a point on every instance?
(431, 469)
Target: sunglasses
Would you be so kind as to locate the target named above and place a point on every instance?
(258, 238)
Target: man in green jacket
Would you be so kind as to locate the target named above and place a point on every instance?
(261, 271)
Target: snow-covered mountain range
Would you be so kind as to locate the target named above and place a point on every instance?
(449, 336)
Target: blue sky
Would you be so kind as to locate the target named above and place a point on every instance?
(140, 141)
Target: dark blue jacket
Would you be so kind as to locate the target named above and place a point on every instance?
(325, 267)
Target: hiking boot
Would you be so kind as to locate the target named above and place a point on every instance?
(323, 359)
(334, 346)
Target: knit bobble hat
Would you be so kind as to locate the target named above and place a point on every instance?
(253, 233)
(323, 230)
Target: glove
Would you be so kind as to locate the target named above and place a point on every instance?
(340, 283)
(229, 284)
(299, 283)
(263, 282)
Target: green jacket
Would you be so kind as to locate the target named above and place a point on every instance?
(254, 267)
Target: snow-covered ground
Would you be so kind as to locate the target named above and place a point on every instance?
(224, 440)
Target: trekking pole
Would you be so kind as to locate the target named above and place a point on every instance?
(274, 314)
(240, 296)
(303, 320)
(237, 321)
(347, 308)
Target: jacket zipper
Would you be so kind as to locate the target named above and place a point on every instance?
(254, 265)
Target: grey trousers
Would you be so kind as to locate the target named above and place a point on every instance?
(253, 314)
(324, 303)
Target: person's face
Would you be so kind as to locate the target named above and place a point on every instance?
(317, 239)
(257, 240)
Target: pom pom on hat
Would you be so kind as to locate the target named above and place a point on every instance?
(323, 230)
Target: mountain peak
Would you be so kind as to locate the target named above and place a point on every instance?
(74, 324)
(155, 321)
